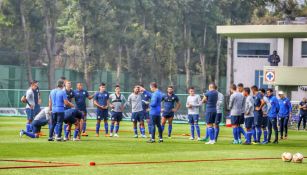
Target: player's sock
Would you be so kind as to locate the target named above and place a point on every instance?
(149, 128)
(239, 133)
(84, 127)
(106, 128)
(142, 130)
(216, 133)
(29, 134)
(135, 129)
(249, 136)
(28, 127)
(235, 133)
(112, 128)
(65, 130)
(66, 134)
(242, 132)
(207, 133)
(259, 132)
(170, 128)
(254, 133)
(265, 135)
(153, 132)
(197, 130)
(116, 128)
(76, 133)
(97, 128)
(162, 126)
(211, 133)
(192, 131)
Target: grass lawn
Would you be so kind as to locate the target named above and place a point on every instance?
(107, 152)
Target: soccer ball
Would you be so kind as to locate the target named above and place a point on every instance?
(297, 158)
(286, 157)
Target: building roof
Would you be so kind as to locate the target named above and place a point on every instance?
(263, 31)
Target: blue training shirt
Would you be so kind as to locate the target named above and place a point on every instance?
(257, 101)
(72, 113)
(285, 107)
(155, 103)
(145, 99)
(273, 111)
(302, 111)
(169, 102)
(80, 97)
(212, 97)
(101, 98)
(57, 97)
(36, 93)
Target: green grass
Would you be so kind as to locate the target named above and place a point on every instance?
(127, 149)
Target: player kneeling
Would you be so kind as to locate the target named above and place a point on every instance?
(72, 116)
(248, 115)
(41, 119)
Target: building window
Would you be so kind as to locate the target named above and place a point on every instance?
(259, 79)
(253, 50)
(304, 49)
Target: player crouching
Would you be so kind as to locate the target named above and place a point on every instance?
(72, 116)
(41, 119)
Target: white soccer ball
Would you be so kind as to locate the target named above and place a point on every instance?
(298, 158)
(286, 157)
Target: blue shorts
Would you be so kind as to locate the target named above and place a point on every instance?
(264, 121)
(116, 116)
(37, 125)
(257, 118)
(210, 117)
(30, 113)
(146, 115)
(168, 114)
(137, 116)
(193, 118)
(218, 118)
(235, 119)
(249, 122)
(102, 114)
(69, 119)
(241, 119)
(37, 109)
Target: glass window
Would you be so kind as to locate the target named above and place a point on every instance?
(254, 50)
(304, 49)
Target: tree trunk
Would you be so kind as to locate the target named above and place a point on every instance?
(202, 59)
(119, 63)
(231, 60)
(87, 71)
(26, 37)
(218, 57)
(49, 14)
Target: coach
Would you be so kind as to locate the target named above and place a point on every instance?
(57, 101)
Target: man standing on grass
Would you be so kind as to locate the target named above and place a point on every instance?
(248, 115)
(145, 103)
(235, 106)
(170, 107)
(155, 111)
(272, 114)
(57, 101)
(117, 104)
(30, 105)
(80, 96)
(303, 113)
(241, 119)
(135, 101)
(210, 99)
(264, 120)
(101, 101)
(284, 114)
(259, 103)
(41, 119)
(193, 104)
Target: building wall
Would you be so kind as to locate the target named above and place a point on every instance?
(245, 68)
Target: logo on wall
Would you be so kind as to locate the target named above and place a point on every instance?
(269, 76)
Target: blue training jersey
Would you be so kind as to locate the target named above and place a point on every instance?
(302, 111)
(285, 107)
(169, 102)
(145, 100)
(273, 111)
(101, 98)
(212, 97)
(155, 103)
(80, 97)
(257, 101)
(57, 97)
(72, 113)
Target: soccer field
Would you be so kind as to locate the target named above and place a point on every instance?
(126, 155)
